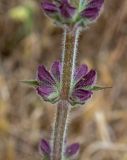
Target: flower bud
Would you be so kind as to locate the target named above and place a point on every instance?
(44, 147)
(72, 150)
(92, 9)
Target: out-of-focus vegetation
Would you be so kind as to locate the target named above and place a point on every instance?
(28, 38)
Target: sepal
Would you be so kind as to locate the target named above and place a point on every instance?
(95, 88)
(33, 83)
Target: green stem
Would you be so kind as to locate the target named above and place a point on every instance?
(60, 127)
(63, 107)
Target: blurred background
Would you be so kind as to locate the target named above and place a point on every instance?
(28, 38)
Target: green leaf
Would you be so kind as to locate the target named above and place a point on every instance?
(33, 83)
(95, 88)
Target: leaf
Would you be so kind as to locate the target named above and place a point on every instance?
(33, 83)
(95, 88)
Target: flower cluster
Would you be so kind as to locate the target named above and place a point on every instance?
(49, 85)
(79, 14)
(71, 151)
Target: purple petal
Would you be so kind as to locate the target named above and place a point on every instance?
(88, 79)
(80, 96)
(44, 147)
(45, 91)
(44, 75)
(66, 9)
(80, 72)
(92, 9)
(72, 150)
(49, 7)
(56, 70)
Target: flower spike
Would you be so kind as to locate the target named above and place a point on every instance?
(73, 14)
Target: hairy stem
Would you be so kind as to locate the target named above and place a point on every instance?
(68, 62)
(63, 108)
(60, 127)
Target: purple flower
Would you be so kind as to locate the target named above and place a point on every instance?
(66, 9)
(44, 147)
(83, 79)
(92, 9)
(72, 150)
(49, 83)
